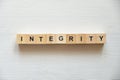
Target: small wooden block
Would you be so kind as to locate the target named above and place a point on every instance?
(80, 38)
(51, 38)
(41, 38)
(18, 37)
(61, 38)
(29, 39)
(101, 38)
(21, 38)
(90, 38)
(70, 39)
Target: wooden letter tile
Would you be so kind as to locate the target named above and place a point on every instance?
(19, 39)
(29, 39)
(51, 38)
(101, 38)
(80, 38)
(70, 39)
(41, 38)
(90, 38)
(61, 38)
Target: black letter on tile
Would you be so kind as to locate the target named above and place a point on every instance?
(40, 38)
(80, 38)
(101, 38)
(90, 38)
(31, 38)
(21, 38)
(50, 38)
(61, 38)
(70, 38)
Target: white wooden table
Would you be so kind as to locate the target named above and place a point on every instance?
(59, 62)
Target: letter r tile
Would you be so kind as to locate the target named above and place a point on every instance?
(70, 39)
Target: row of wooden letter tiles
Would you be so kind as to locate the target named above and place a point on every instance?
(61, 38)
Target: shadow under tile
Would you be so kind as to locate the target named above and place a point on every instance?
(65, 49)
